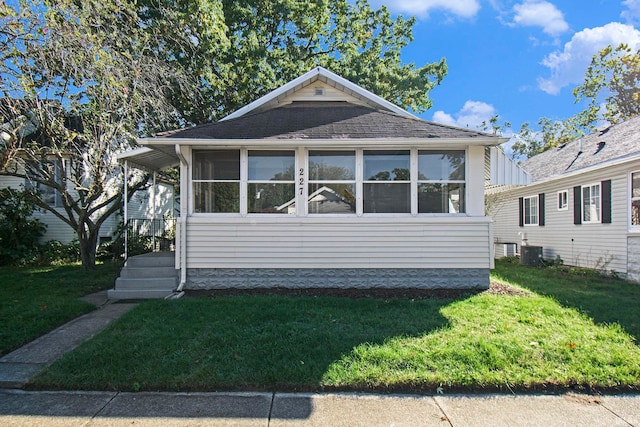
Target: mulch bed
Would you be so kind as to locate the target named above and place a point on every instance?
(496, 288)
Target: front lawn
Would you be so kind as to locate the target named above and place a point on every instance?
(36, 300)
(485, 341)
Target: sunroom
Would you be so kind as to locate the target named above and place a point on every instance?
(323, 184)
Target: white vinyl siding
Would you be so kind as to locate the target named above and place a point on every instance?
(347, 242)
(580, 245)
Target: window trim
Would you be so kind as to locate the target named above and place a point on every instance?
(301, 158)
(565, 194)
(537, 211)
(634, 227)
(592, 185)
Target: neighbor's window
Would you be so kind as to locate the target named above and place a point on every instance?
(49, 170)
(635, 199)
(271, 185)
(563, 200)
(531, 210)
(591, 203)
(216, 181)
(332, 185)
(386, 181)
(441, 181)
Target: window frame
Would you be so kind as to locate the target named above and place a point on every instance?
(302, 183)
(193, 181)
(245, 185)
(562, 194)
(599, 204)
(536, 210)
(309, 181)
(632, 199)
(444, 182)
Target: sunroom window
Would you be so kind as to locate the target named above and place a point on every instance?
(271, 185)
(441, 181)
(387, 181)
(332, 182)
(216, 181)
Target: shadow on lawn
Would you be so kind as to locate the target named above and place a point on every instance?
(606, 300)
(250, 343)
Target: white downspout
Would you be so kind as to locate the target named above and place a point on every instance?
(153, 213)
(126, 206)
(184, 201)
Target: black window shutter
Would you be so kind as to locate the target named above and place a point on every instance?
(521, 211)
(577, 205)
(605, 187)
(541, 209)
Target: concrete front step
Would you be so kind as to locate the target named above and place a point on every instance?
(128, 294)
(169, 283)
(148, 272)
(156, 259)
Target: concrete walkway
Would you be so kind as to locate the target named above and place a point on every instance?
(19, 407)
(18, 366)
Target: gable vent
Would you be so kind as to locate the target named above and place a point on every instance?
(319, 91)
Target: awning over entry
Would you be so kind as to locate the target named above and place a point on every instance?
(150, 159)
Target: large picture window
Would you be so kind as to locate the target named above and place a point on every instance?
(635, 199)
(387, 182)
(441, 178)
(216, 181)
(332, 182)
(271, 185)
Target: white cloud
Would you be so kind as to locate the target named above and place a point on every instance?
(540, 13)
(421, 8)
(569, 65)
(632, 14)
(472, 114)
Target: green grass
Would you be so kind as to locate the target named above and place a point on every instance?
(36, 300)
(478, 342)
(605, 300)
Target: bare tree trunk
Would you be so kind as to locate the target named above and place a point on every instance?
(88, 245)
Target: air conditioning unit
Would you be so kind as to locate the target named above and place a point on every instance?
(510, 249)
(530, 255)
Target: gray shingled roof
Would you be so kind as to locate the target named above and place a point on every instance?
(323, 120)
(616, 142)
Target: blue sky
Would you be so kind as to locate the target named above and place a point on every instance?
(519, 59)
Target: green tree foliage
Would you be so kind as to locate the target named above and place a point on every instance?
(611, 89)
(612, 78)
(243, 50)
(81, 79)
(19, 230)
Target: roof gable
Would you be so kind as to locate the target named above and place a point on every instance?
(599, 148)
(326, 77)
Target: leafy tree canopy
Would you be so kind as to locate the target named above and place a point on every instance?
(79, 80)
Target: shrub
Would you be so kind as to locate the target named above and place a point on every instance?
(19, 231)
(55, 252)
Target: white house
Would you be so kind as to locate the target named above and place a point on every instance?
(583, 204)
(321, 183)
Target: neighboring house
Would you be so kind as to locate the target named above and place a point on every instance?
(155, 202)
(321, 183)
(583, 205)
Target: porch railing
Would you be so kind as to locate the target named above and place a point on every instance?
(145, 235)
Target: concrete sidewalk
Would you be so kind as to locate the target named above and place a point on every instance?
(20, 408)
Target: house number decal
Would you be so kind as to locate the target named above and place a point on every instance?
(301, 181)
